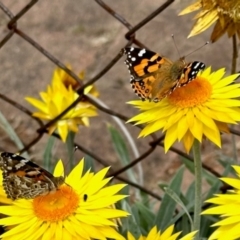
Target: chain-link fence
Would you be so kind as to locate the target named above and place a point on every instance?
(13, 28)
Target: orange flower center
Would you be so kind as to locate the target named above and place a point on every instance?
(195, 93)
(56, 206)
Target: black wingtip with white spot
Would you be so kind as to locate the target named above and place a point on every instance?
(195, 67)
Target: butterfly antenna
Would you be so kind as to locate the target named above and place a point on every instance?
(75, 148)
(71, 157)
(206, 43)
(176, 45)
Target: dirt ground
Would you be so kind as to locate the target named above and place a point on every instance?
(86, 36)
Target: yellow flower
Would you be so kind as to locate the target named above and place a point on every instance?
(226, 14)
(154, 234)
(80, 209)
(55, 100)
(228, 207)
(59, 75)
(201, 108)
(3, 196)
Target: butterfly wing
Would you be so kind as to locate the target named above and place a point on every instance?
(154, 77)
(144, 67)
(190, 72)
(25, 179)
(142, 62)
(21, 187)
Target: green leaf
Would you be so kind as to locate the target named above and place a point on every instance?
(119, 145)
(226, 164)
(226, 159)
(135, 213)
(146, 217)
(190, 194)
(132, 222)
(121, 150)
(167, 207)
(206, 219)
(6, 126)
(88, 164)
(189, 208)
(71, 149)
(47, 155)
(175, 197)
(183, 226)
(216, 186)
(211, 179)
(145, 199)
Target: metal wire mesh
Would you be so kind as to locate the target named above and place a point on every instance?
(13, 29)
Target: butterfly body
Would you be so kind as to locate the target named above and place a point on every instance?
(25, 179)
(154, 77)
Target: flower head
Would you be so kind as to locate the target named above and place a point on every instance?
(201, 108)
(80, 209)
(56, 99)
(226, 14)
(168, 234)
(59, 75)
(228, 207)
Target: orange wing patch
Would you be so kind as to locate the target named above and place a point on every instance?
(25, 179)
(154, 77)
(143, 88)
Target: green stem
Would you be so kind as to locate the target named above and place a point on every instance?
(198, 186)
(71, 149)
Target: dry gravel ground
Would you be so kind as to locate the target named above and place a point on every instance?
(86, 36)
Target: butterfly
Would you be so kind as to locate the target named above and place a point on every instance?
(154, 77)
(25, 179)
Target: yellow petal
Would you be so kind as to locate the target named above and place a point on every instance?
(237, 169)
(182, 127)
(212, 135)
(153, 127)
(168, 232)
(205, 117)
(193, 7)
(170, 138)
(188, 141)
(76, 172)
(232, 182)
(42, 115)
(37, 104)
(130, 236)
(62, 130)
(223, 127)
(196, 130)
(59, 169)
(189, 236)
(225, 81)
(204, 23)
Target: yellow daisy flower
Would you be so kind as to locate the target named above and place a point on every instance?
(228, 207)
(226, 14)
(168, 234)
(55, 100)
(59, 75)
(201, 108)
(80, 209)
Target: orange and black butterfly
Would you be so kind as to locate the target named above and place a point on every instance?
(24, 179)
(154, 77)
